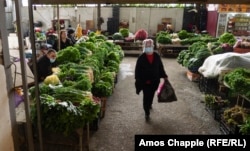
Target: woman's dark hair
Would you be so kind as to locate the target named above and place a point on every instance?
(62, 32)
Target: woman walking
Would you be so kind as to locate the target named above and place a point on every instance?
(148, 71)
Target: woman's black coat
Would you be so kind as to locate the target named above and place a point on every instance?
(44, 68)
(145, 71)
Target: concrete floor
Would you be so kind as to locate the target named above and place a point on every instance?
(124, 116)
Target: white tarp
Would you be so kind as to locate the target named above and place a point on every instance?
(214, 64)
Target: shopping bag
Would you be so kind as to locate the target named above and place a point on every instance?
(166, 93)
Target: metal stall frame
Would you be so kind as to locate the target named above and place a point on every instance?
(9, 79)
(32, 39)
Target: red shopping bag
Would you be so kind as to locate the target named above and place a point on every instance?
(166, 93)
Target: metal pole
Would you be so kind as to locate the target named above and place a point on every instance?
(24, 75)
(9, 79)
(99, 17)
(58, 27)
(38, 101)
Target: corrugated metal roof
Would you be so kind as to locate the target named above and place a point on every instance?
(138, 1)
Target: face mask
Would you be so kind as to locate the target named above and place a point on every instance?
(148, 50)
(52, 60)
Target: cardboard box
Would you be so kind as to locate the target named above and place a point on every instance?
(166, 20)
(193, 76)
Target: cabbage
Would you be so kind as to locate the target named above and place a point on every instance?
(117, 36)
(124, 32)
(52, 79)
(227, 38)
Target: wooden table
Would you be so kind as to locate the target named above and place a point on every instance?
(170, 49)
(129, 45)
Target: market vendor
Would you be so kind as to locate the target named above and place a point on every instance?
(169, 29)
(71, 35)
(64, 41)
(45, 64)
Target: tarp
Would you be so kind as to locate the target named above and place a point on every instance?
(215, 64)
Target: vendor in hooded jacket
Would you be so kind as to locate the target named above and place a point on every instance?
(45, 64)
(149, 70)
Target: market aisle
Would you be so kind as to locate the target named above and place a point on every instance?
(124, 115)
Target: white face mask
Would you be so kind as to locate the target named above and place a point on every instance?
(52, 60)
(148, 50)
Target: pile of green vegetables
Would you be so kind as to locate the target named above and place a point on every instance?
(40, 36)
(183, 34)
(201, 47)
(239, 81)
(87, 72)
(196, 38)
(215, 102)
(245, 126)
(227, 38)
(124, 32)
(194, 57)
(234, 116)
(64, 109)
(117, 36)
(163, 38)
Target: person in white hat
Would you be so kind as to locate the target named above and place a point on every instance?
(148, 71)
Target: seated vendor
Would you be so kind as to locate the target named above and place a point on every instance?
(45, 64)
(169, 29)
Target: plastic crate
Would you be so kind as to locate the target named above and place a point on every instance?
(227, 129)
(210, 86)
(216, 113)
(193, 76)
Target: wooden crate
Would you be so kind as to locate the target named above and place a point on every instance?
(193, 76)
(166, 20)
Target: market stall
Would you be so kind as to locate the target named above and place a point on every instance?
(68, 101)
(226, 76)
(76, 93)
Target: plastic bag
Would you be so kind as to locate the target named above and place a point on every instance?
(166, 93)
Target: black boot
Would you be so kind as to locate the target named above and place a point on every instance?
(147, 116)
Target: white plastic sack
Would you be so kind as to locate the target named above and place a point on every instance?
(214, 64)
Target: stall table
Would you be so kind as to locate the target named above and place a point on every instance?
(170, 49)
(126, 45)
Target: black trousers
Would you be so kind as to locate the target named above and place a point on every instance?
(148, 96)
